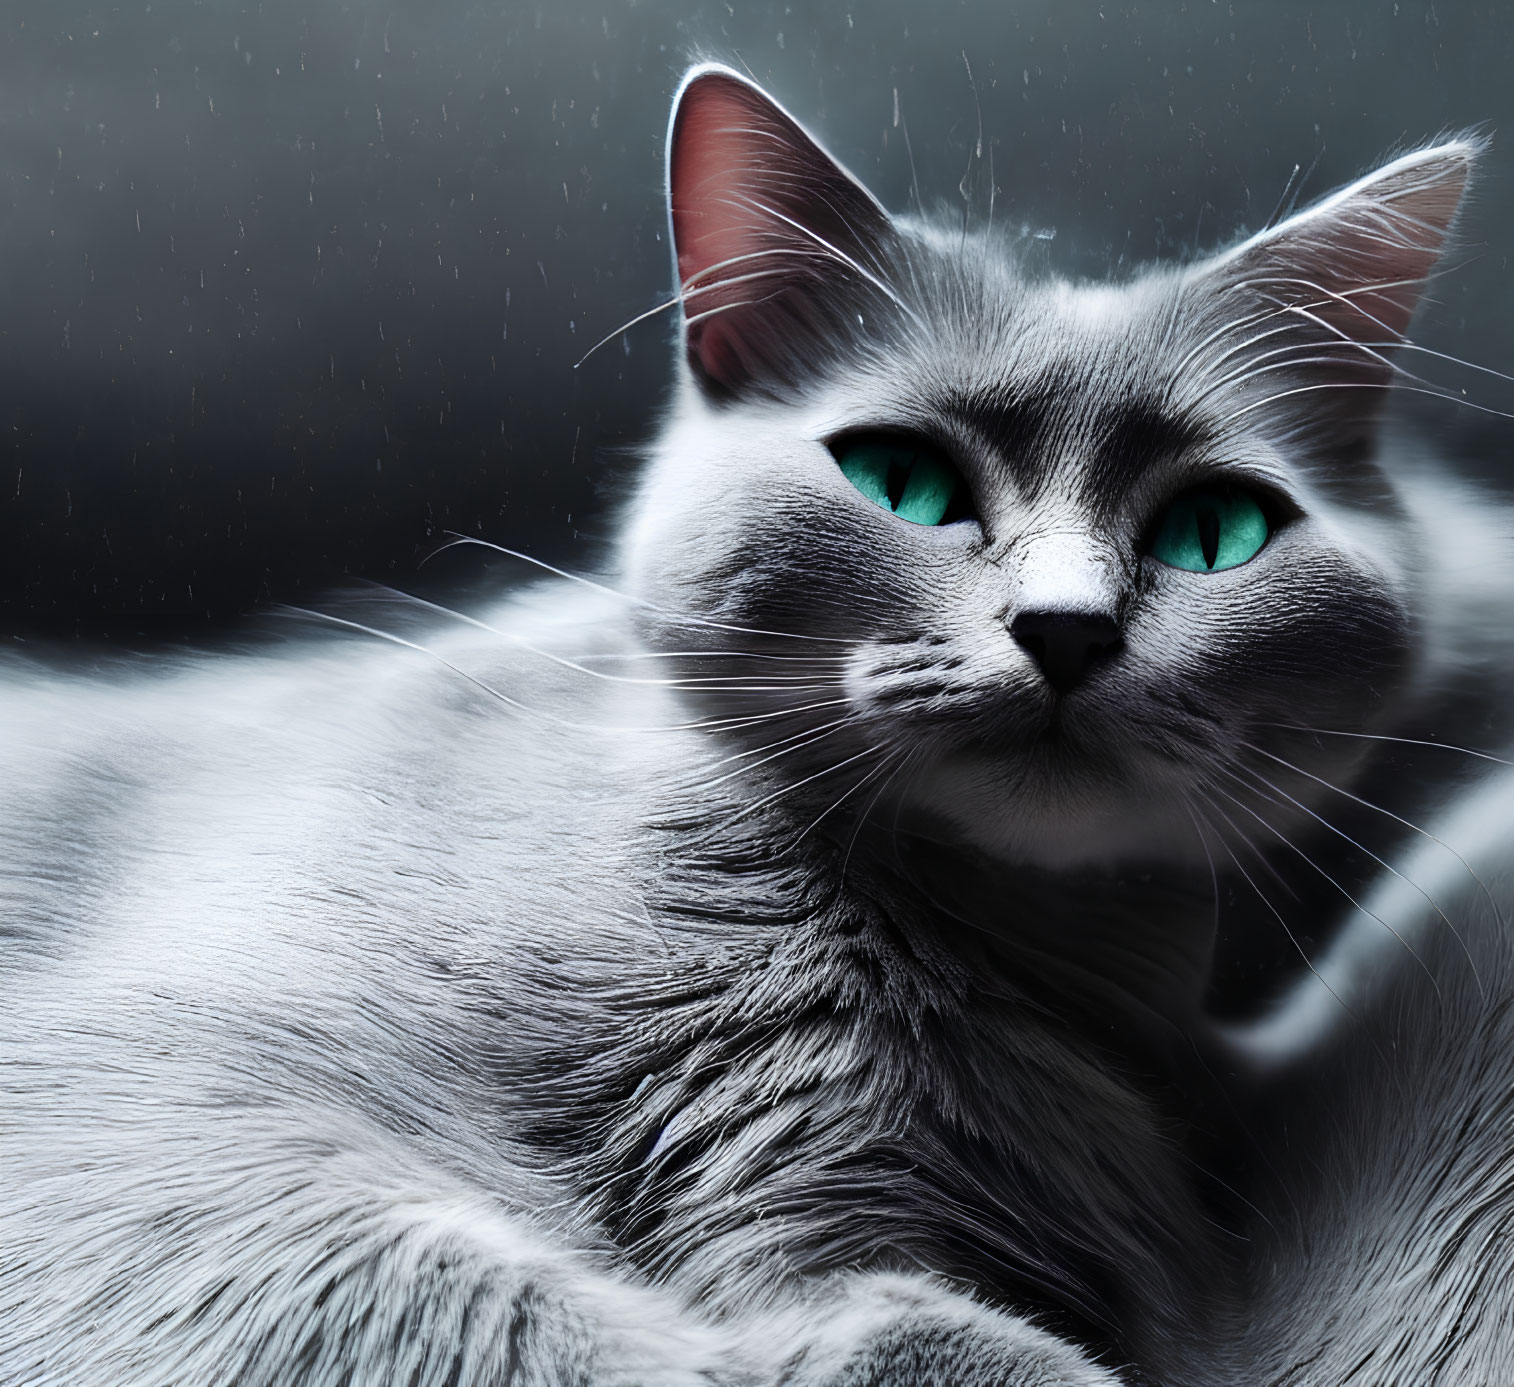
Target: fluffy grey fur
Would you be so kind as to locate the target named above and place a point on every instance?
(754, 971)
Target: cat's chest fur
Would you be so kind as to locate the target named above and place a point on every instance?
(806, 1062)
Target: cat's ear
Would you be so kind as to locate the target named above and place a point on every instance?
(777, 248)
(1346, 274)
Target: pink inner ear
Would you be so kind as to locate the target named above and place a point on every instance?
(1358, 261)
(713, 161)
(770, 233)
(736, 168)
(1393, 243)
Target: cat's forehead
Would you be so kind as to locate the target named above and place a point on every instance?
(1075, 384)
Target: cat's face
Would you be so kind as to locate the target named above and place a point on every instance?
(1058, 566)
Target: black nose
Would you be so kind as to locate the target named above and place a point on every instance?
(1066, 644)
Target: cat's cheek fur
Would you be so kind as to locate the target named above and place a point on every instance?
(709, 532)
(1278, 638)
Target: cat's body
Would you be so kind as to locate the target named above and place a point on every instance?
(582, 998)
(603, 1039)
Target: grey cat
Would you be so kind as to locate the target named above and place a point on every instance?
(786, 963)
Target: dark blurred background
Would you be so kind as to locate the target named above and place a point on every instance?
(290, 289)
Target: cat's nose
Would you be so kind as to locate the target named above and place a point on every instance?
(1066, 644)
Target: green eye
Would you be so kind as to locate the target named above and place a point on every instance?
(911, 479)
(1205, 531)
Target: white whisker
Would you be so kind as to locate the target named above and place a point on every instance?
(1367, 804)
(777, 795)
(1179, 372)
(1288, 842)
(1264, 315)
(872, 804)
(677, 618)
(800, 741)
(719, 308)
(1381, 737)
(1365, 385)
(824, 660)
(840, 800)
(1305, 354)
(685, 294)
(1261, 896)
(716, 683)
(1214, 878)
(841, 257)
(703, 724)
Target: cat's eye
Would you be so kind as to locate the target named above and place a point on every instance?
(1207, 530)
(910, 477)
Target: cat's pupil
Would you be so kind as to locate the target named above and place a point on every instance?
(1209, 535)
(912, 479)
(1206, 531)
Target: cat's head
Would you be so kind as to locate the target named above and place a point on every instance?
(1057, 564)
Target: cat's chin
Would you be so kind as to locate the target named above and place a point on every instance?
(1026, 821)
